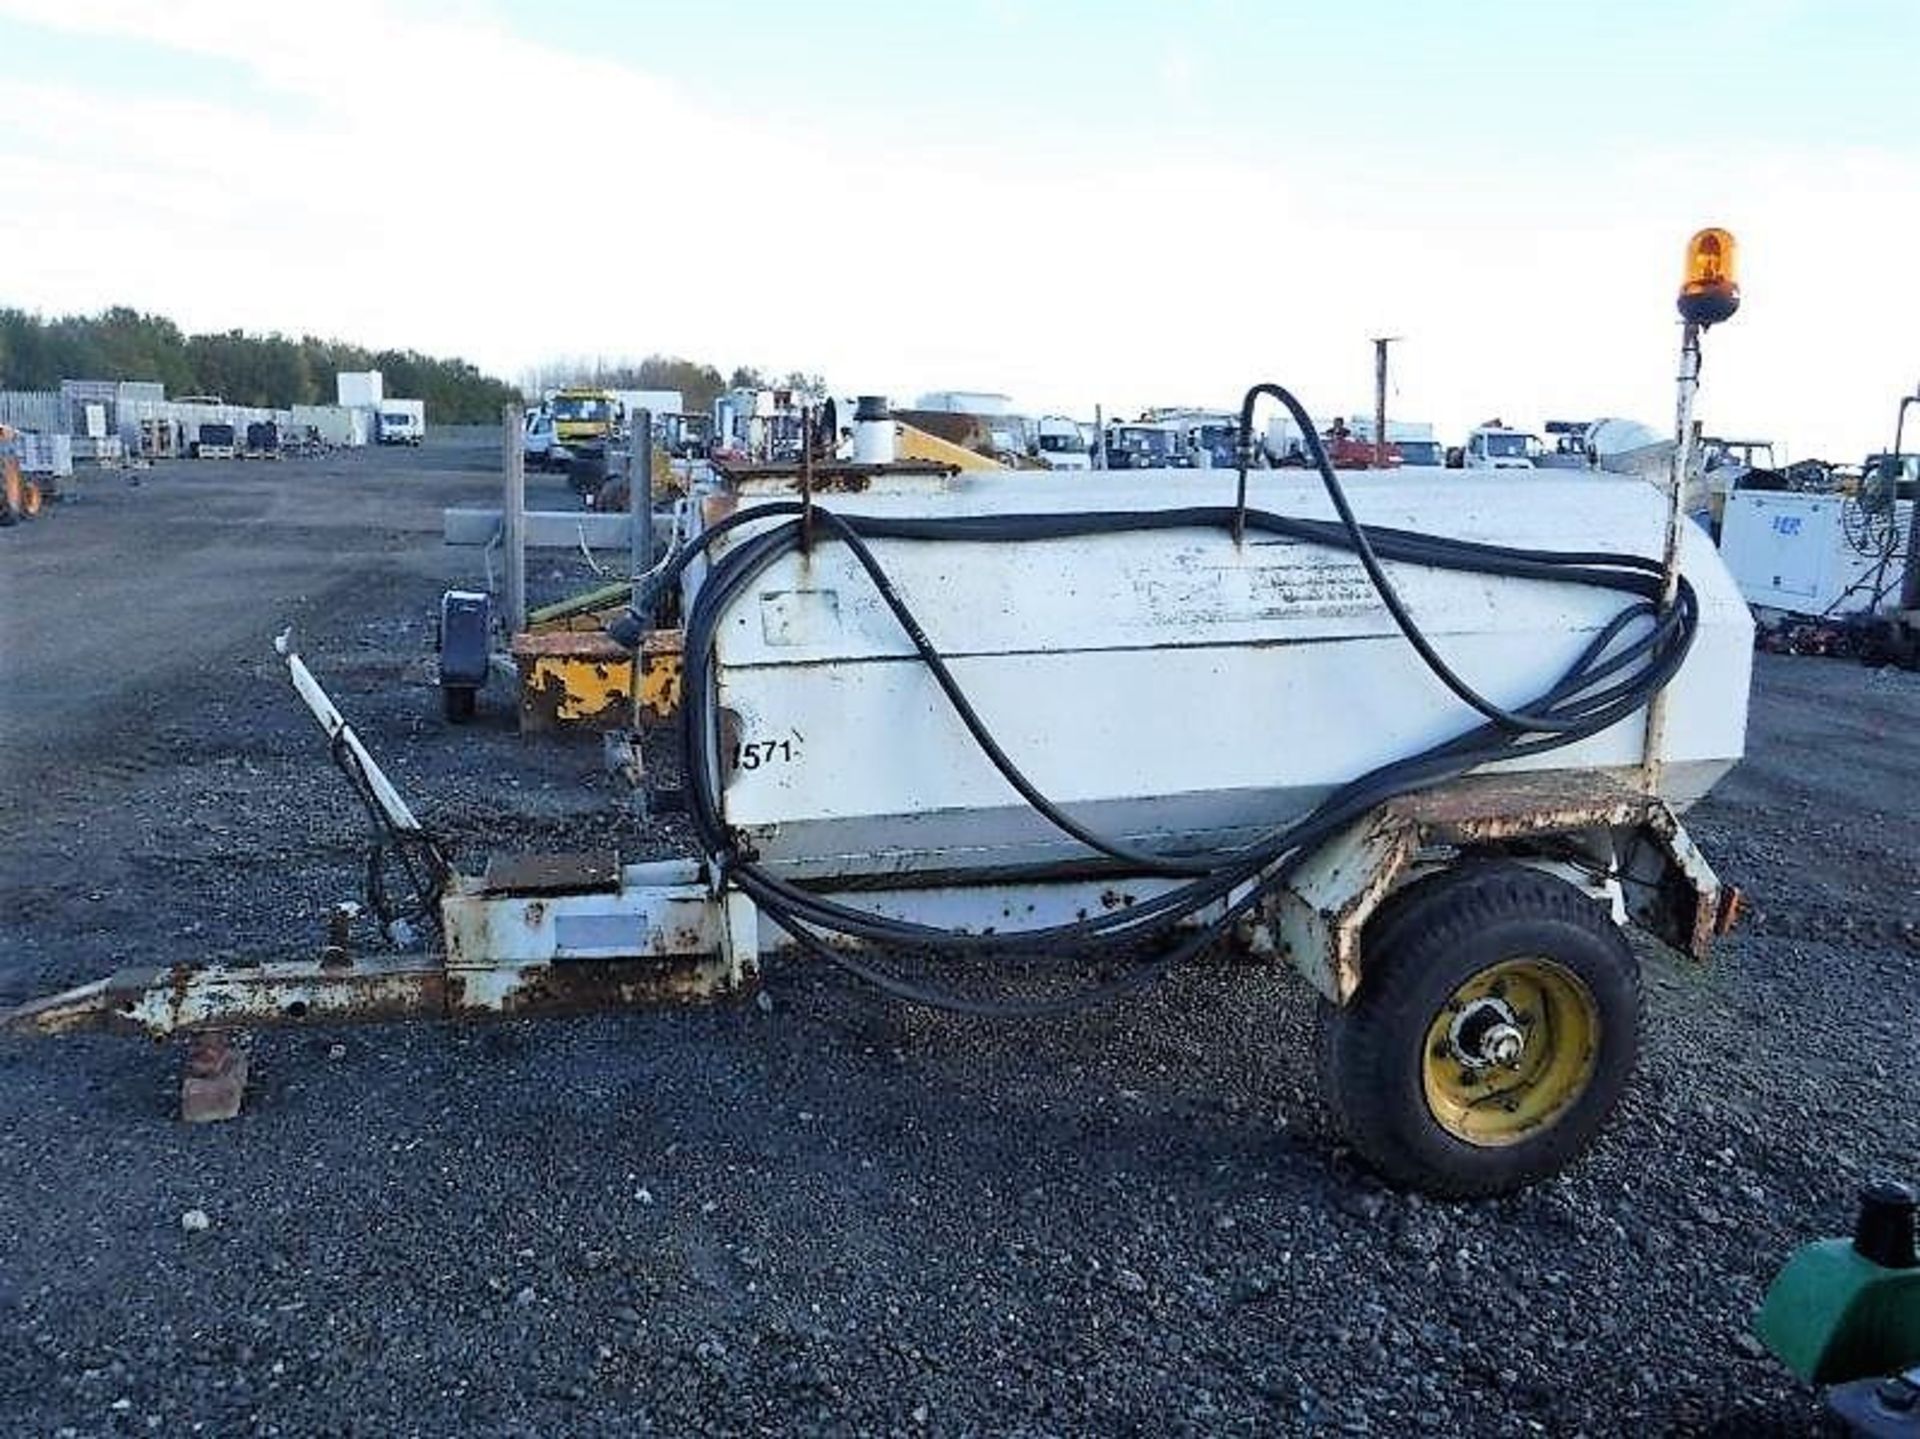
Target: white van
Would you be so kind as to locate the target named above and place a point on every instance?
(402, 422)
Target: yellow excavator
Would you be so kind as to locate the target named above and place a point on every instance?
(20, 497)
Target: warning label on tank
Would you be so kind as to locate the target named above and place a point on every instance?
(1275, 582)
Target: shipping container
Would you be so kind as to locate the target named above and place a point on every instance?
(359, 389)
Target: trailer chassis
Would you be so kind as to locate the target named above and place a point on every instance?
(568, 934)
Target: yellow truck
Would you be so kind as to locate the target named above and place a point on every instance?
(582, 415)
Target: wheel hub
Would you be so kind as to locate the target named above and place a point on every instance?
(1510, 1051)
(1487, 1032)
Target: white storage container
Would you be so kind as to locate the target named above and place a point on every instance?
(1813, 554)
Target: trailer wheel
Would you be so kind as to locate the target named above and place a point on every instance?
(1495, 1027)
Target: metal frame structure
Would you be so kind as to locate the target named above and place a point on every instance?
(569, 934)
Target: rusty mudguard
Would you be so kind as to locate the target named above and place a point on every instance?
(1319, 917)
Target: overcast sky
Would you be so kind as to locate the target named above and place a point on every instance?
(1076, 203)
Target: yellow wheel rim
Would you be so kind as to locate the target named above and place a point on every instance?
(1510, 1051)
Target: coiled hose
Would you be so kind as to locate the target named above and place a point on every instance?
(1615, 675)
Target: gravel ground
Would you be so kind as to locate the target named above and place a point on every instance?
(828, 1214)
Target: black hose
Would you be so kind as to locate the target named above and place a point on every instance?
(1611, 679)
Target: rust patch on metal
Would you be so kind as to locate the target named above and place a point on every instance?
(662, 664)
(1485, 808)
(837, 479)
(206, 1000)
(547, 703)
(1689, 900)
(845, 483)
(1733, 904)
(1398, 840)
(587, 645)
(571, 678)
(100, 1005)
(588, 986)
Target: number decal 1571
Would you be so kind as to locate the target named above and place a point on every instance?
(755, 753)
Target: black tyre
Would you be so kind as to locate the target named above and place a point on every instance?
(1496, 1025)
(457, 700)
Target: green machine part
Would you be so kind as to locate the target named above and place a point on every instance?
(1846, 1309)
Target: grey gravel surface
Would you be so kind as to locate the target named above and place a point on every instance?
(822, 1213)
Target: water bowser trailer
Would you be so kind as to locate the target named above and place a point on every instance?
(1010, 747)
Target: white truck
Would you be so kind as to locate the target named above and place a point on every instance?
(966, 402)
(1207, 439)
(402, 422)
(1061, 443)
(658, 403)
(1496, 446)
(538, 442)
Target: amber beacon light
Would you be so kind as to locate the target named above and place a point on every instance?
(1710, 293)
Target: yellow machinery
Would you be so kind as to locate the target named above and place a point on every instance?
(572, 675)
(962, 434)
(580, 678)
(20, 497)
(913, 443)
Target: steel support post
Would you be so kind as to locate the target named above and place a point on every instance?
(1687, 386)
(514, 519)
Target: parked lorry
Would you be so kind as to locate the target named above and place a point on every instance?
(966, 402)
(1059, 443)
(756, 424)
(537, 442)
(1348, 444)
(658, 403)
(1496, 446)
(582, 415)
(687, 437)
(402, 422)
(1204, 439)
(1142, 445)
(1410, 443)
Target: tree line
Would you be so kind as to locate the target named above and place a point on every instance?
(271, 370)
(276, 371)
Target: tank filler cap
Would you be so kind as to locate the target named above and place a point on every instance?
(1883, 1232)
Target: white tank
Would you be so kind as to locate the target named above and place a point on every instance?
(1169, 685)
(873, 435)
(1627, 447)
